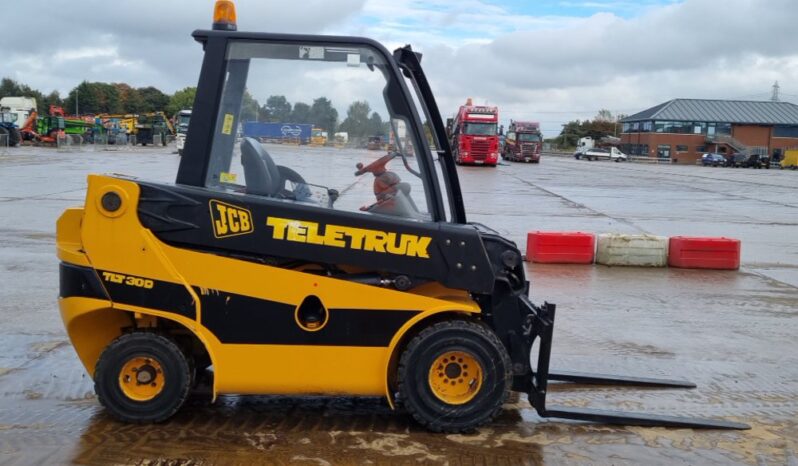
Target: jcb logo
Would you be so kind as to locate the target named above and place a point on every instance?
(229, 220)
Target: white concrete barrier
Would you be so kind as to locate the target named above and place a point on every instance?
(634, 250)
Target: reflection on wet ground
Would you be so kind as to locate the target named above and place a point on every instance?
(733, 333)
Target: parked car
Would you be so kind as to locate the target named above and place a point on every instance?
(736, 160)
(713, 160)
(744, 160)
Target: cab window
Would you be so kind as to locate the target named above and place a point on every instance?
(325, 126)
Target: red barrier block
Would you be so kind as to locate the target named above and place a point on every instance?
(560, 247)
(704, 253)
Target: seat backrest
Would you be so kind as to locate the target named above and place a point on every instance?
(260, 172)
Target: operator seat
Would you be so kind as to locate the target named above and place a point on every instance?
(261, 174)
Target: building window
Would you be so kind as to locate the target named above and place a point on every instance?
(681, 148)
(699, 127)
(785, 131)
(647, 126)
(626, 127)
(636, 126)
(723, 128)
(664, 151)
(701, 149)
(644, 149)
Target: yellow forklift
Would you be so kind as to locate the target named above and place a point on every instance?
(278, 271)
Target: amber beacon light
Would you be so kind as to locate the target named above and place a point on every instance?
(224, 15)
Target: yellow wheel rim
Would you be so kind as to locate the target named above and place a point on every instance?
(455, 377)
(141, 378)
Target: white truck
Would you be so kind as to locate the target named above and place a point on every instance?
(586, 148)
(598, 153)
(182, 120)
(20, 106)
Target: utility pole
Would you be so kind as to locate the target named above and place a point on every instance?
(775, 96)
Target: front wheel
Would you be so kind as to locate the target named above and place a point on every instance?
(142, 378)
(454, 376)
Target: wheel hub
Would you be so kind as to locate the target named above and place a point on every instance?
(141, 378)
(455, 377)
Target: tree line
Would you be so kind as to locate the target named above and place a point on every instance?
(92, 98)
(360, 121)
(603, 124)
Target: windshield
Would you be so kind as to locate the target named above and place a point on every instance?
(529, 137)
(183, 120)
(307, 114)
(480, 129)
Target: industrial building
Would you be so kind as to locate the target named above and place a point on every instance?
(683, 129)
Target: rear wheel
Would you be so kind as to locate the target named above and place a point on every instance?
(142, 377)
(454, 376)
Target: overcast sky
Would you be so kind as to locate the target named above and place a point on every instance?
(545, 60)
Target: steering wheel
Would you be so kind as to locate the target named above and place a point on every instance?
(378, 166)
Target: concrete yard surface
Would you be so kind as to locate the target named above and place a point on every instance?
(733, 333)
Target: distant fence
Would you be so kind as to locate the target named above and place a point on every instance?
(69, 143)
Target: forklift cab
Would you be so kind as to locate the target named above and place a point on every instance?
(351, 84)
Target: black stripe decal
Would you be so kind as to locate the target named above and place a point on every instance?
(240, 319)
(235, 318)
(78, 281)
(136, 291)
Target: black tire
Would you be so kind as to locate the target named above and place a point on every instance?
(176, 378)
(13, 137)
(416, 395)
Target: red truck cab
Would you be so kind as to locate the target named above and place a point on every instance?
(523, 142)
(474, 135)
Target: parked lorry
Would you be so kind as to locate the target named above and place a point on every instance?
(523, 142)
(21, 106)
(149, 125)
(182, 119)
(278, 132)
(474, 134)
(318, 137)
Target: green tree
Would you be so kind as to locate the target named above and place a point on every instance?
(250, 108)
(376, 126)
(278, 108)
(300, 113)
(130, 100)
(180, 100)
(323, 115)
(53, 98)
(357, 122)
(153, 100)
(94, 98)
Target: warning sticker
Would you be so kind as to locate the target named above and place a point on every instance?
(225, 177)
(227, 124)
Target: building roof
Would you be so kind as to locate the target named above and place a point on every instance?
(724, 111)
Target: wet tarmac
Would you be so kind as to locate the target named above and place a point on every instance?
(732, 333)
